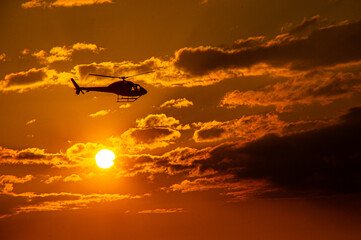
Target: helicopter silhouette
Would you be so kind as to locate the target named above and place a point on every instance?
(126, 91)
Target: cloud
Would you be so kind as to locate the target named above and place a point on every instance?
(162, 211)
(305, 25)
(249, 42)
(249, 128)
(24, 78)
(62, 3)
(73, 178)
(34, 78)
(7, 182)
(32, 202)
(64, 53)
(202, 184)
(2, 57)
(53, 179)
(285, 55)
(179, 160)
(188, 160)
(15, 179)
(302, 158)
(32, 156)
(156, 120)
(82, 154)
(56, 54)
(99, 113)
(321, 161)
(323, 47)
(25, 51)
(31, 121)
(321, 87)
(177, 103)
(238, 190)
(184, 156)
(153, 131)
(87, 46)
(166, 74)
(125, 68)
(77, 155)
(135, 140)
(127, 105)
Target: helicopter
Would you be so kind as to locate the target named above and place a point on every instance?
(126, 91)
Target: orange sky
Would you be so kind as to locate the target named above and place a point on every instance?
(249, 130)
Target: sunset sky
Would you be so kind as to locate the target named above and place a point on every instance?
(250, 128)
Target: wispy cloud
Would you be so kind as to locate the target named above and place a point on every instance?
(238, 190)
(249, 42)
(62, 3)
(33, 202)
(100, 113)
(249, 128)
(177, 103)
(161, 211)
(52, 179)
(31, 121)
(127, 105)
(306, 24)
(73, 178)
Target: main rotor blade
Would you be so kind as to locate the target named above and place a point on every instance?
(100, 75)
(138, 74)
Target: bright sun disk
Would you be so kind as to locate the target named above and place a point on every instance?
(104, 158)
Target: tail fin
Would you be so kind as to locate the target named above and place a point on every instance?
(77, 88)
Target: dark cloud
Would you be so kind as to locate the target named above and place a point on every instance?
(151, 135)
(249, 42)
(212, 133)
(29, 154)
(31, 76)
(322, 161)
(323, 47)
(313, 87)
(305, 25)
(153, 131)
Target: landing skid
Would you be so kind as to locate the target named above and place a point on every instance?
(126, 98)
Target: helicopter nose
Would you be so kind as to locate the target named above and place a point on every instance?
(143, 91)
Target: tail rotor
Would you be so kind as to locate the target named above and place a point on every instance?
(77, 88)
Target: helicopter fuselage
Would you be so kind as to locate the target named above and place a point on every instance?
(123, 88)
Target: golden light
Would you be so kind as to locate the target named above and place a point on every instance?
(104, 158)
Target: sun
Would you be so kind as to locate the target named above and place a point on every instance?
(104, 158)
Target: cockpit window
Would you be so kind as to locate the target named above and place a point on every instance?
(135, 87)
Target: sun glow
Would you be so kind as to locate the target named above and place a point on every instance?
(104, 158)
